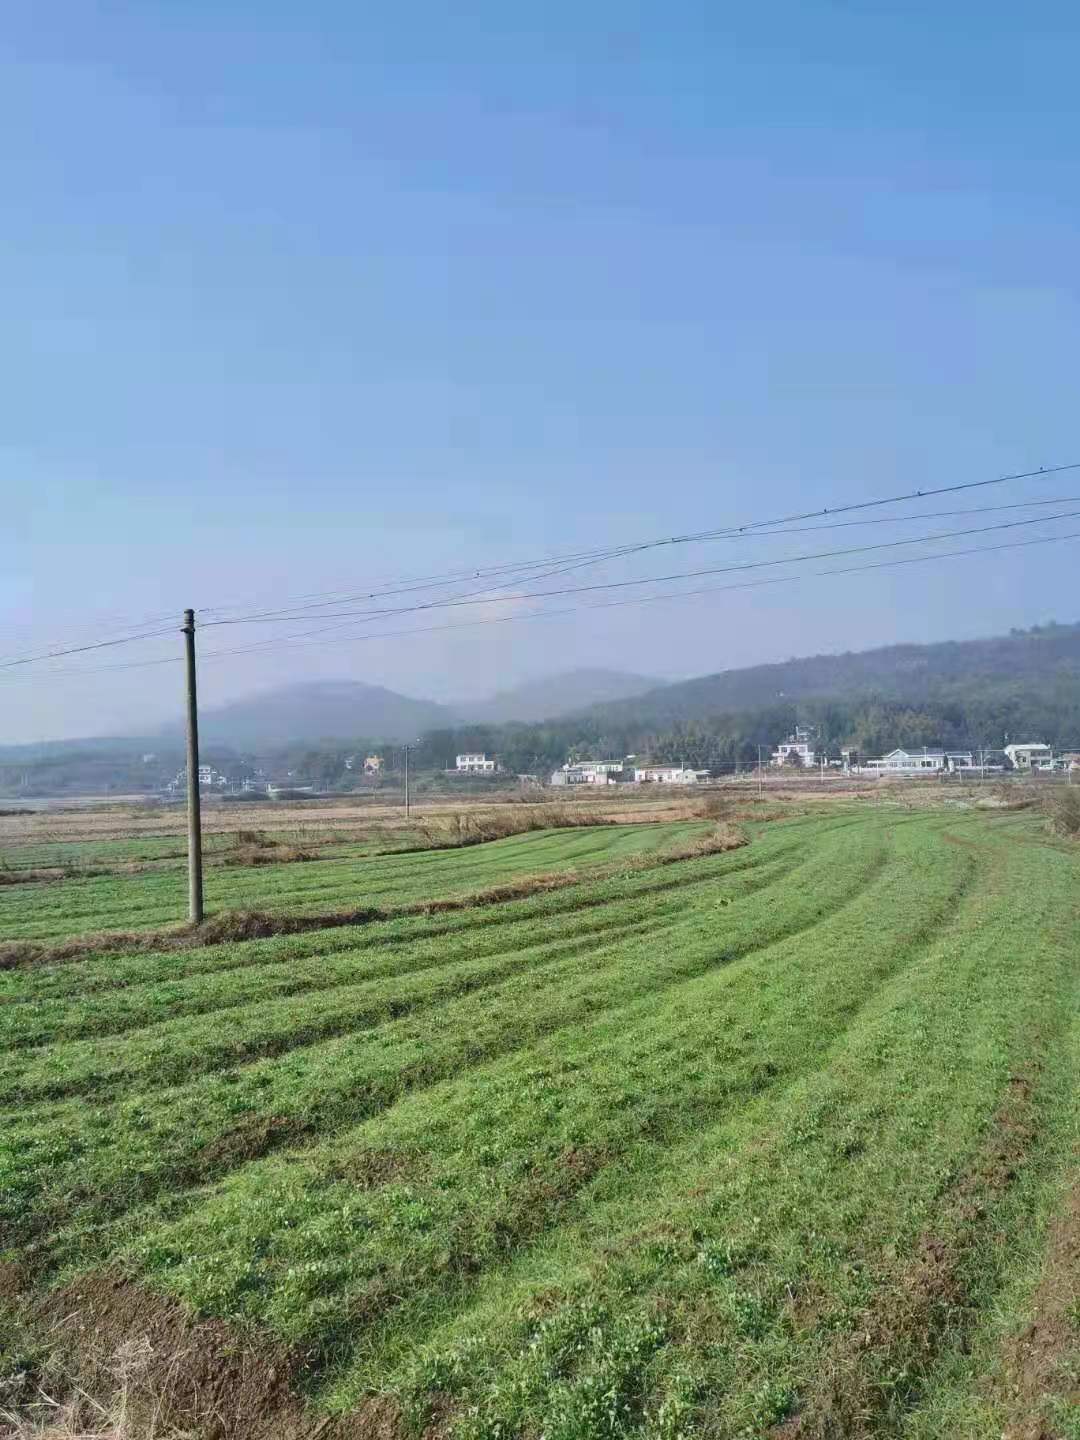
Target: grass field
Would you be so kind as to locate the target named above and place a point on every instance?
(777, 1142)
(333, 878)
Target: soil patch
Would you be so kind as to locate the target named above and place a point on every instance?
(1040, 1362)
(368, 1169)
(250, 1139)
(13, 1280)
(203, 1377)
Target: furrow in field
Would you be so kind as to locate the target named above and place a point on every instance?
(102, 953)
(145, 900)
(312, 963)
(393, 988)
(492, 1160)
(187, 1133)
(169, 1052)
(756, 1247)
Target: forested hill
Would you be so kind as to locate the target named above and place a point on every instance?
(971, 693)
(1046, 657)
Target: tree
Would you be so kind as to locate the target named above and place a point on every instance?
(794, 759)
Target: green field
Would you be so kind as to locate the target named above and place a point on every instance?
(779, 1142)
(332, 880)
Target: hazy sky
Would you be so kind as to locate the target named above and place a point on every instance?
(301, 298)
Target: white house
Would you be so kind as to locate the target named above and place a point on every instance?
(909, 762)
(799, 745)
(1030, 756)
(208, 778)
(959, 762)
(590, 772)
(475, 764)
(666, 775)
(568, 775)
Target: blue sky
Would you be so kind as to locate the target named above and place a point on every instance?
(299, 297)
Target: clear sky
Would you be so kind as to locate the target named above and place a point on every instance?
(300, 297)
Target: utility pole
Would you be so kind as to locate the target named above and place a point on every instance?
(406, 782)
(194, 813)
(760, 774)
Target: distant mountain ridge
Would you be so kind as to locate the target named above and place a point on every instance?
(556, 695)
(319, 710)
(1029, 678)
(1046, 656)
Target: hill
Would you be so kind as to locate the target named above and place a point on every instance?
(1045, 657)
(557, 695)
(962, 694)
(318, 710)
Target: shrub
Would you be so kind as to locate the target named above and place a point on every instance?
(450, 832)
(713, 806)
(1064, 811)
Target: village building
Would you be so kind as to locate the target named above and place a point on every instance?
(589, 772)
(209, 779)
(668, 775)
(798, 748)
(909, 762)
(475, 763)
(1030, 756)
(960, 762)
(568, 775)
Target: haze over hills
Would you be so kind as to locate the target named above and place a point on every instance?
(320, 709)
(557, 695)
(344, 709)
(971, 690)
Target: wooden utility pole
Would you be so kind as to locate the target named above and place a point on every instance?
(760, 773)
(406, 782)
(194, 811)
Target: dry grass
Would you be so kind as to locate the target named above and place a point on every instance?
(1063, 810)
(256, 847)
(468, 827)
(79, 1416)
(40, 876)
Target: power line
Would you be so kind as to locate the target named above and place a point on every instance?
(570, 560)
(456, 602)
(576, 560)
(652, 599)
(619, 551)
(297, 642)
(79, 649)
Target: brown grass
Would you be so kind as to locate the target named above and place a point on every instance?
(276, 854)
(42, 875)
(122, 1363)
(478, 827)
(79, 1416)
(1063, 811)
